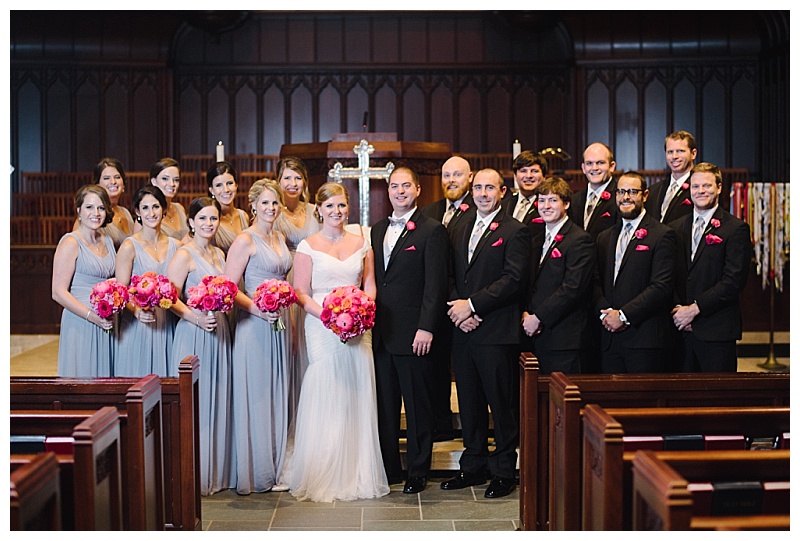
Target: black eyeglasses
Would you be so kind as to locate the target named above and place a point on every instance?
(632, 192)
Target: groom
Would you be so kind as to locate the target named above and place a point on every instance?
(411, 275)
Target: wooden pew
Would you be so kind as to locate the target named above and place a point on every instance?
(179, 418)
(607, 477)
(36, 495)
(96, 468)
(661, 496)
(658, 390)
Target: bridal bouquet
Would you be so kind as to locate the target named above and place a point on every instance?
(274, 294)
(150, 290)
(348, 312)
(108, 298)
(213, 293)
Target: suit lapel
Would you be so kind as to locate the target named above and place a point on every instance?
(634, 242)
(401, 240)
(708, 230)
(486, 236)
(602, 204)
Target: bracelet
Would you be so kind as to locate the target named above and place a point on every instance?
(88, 313)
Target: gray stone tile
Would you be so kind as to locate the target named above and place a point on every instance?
(409, 525)
(321, 517)
(238, 525)
(484, 525)
(237, 510)
(436, 494)
(273, 529)
(477, 510)
(393, 499)
(392, 513)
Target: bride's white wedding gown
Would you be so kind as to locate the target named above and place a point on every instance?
(336, 453)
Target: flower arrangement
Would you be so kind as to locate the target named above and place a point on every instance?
(348, 312)
(274, 294)
(213, 293)
(108, 298)
(152, 290)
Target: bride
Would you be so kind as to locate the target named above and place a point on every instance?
(336, 453)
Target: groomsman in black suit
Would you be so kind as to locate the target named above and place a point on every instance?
(490, 261)
(714, 252)
(411, 278)
(670, 199)
(594, 208)
(634, 285)
(529, 170)
(456, 205)
(557, 303)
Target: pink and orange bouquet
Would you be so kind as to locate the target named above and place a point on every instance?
(348, 312)
(152, 290)
(213, 293)
(108, 298)
(272, 295)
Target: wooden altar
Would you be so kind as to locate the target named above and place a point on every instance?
(425, 159)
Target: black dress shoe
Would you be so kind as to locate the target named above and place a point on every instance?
(463, 480)
(499, 487)
(414, 485)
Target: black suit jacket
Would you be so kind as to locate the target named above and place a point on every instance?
(495, 278)
(437, 209)
(680, 206)
(412, 290)
(604, 215)
(560, 288)
(716, 277)
(644, 285)
(531, 218)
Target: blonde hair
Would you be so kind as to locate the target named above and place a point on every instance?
(325, 192)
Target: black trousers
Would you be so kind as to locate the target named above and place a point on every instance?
(702, 356)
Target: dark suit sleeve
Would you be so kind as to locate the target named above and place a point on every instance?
(578, 275)
(734, 275)
(516, 265)
(436, 277)
(658, 293)
(598, 295)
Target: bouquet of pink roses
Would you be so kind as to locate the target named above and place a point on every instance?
(150, 290)
(213, 293)
(108, 298)
(348, 312)
(274, 294)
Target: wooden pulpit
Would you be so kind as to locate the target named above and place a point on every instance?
(425, 159)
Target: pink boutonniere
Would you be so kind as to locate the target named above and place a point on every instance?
(411, 226)
(714, 223)
(493, 226)
(498, 242)
(686, 202)
(642, 248)
(713, 239)
(538, 220)
(605, 196)
(536, 203)
(555, 254)
(605, 214)
(640, 233)
(685, 186)
(463, 207)
(411, 249)
(558, 238)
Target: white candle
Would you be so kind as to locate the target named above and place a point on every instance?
(220, 152)
(516, 149)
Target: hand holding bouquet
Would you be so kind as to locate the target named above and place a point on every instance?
(108, 298)
(213, 293)
(272, 295)
(150, 290)
(348, 312)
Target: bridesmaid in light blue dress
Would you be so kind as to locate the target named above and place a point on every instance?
(206, 335)
(260, 378)
(82, 259)
(145, 342)
(110, 174)
(165, 175)
(296, 221)
(222, 186)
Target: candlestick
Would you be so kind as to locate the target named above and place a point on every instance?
(516, 149)
(220, 152)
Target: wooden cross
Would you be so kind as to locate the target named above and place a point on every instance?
(363, 173)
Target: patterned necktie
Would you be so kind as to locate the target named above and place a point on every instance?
(396, 221)
(589, 208)
(697, 234)
(672, 189)
(622, 245)
(522, 208)
(448, 215)
(473, 240)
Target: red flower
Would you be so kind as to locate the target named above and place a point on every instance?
(713, 239)
(555, 254)
(640, 233)
(685, 186)
(493, 226)
(714, 222)
(605, 196)
(411, 226)
(536, 203)
(558, 238)
(463, 207)
(538, 220)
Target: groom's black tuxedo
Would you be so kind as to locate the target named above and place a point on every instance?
(411, 294)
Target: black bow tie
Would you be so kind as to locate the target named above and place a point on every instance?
(397, 221)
